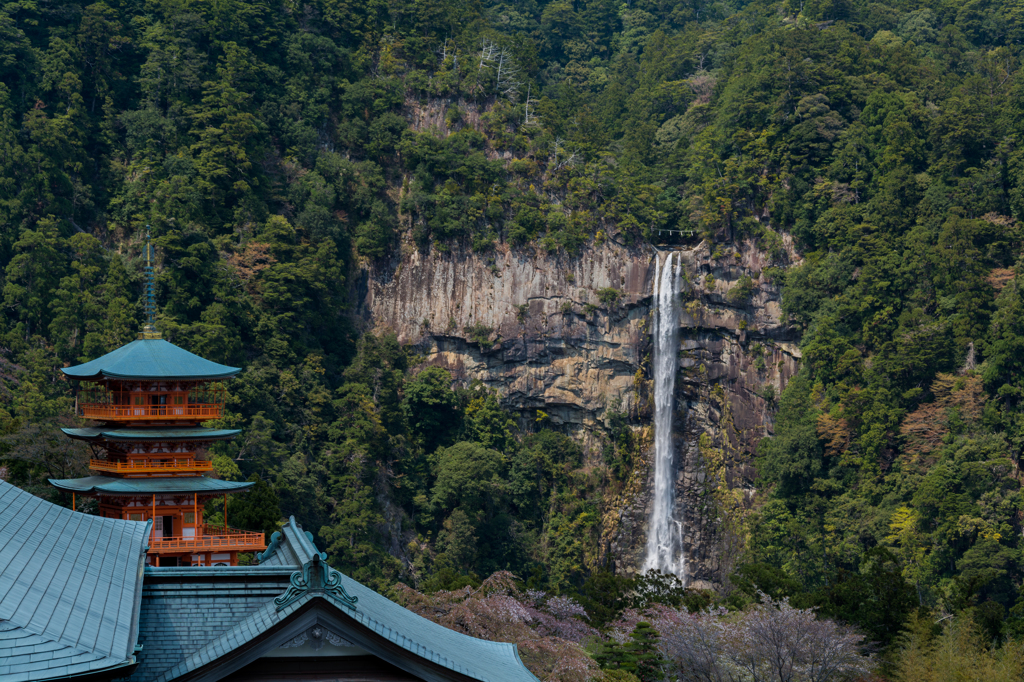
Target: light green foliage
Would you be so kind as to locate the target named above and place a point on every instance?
(959, 652)
(468, 477)
(740, 293)
(226, 468)
(608, 296)
(480, 334)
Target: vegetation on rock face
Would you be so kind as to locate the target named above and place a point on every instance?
(271, 145)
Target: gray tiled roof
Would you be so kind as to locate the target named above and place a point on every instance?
(150, 359)
(475, 658)
(191, 617)
(70, 588)
(149, 486)
(184, 609)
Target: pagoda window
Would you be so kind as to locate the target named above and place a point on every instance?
(188, 525)
(135, 516)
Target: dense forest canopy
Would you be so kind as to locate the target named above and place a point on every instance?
(273, 144)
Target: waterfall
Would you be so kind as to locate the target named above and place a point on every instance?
(665, 530)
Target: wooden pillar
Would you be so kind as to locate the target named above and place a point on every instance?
(154, 521)
(73, 508)
(195, 516)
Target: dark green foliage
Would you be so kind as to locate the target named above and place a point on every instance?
(273, 147)
(878, 600)
(433, 407)
(604, 594)
(655, 587)
(259, 509)
(639, 655)
(643, 648)
(755, 578)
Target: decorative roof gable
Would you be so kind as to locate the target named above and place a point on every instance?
(314, 603)
(316, 577)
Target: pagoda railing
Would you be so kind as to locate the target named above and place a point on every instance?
(192, 412)
(222, 530)
(230, 539)
(180, 465)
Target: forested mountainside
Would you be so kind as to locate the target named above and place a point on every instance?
(275, 147)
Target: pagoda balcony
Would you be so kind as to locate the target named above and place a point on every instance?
(212, 538)
(162, 467)
(127, 413)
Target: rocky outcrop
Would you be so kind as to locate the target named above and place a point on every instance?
(735, 357)
(531, 325)
(570, 336)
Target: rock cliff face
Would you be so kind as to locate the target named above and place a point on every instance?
(571, 337)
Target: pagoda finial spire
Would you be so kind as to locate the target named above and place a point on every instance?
(149, 331)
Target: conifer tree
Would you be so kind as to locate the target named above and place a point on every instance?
(647, 662)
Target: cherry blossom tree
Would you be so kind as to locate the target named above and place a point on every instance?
(548, 630)
(770, 641)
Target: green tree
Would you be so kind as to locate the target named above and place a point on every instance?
(258, 509)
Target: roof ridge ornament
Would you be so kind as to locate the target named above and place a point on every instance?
(275, 540)
(316, 577)
(149, 331)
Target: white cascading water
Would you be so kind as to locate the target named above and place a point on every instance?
(665, 530)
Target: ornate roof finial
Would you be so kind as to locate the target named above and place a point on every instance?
(149, 331)
(315, 577)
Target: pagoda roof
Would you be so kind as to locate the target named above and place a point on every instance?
(258, 611)
(107, 485)
(95, 433)
(150, 359)
(70, 590)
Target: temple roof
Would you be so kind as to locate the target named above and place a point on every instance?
(70, 590)
(76, 600)
(178, 646)
(160, 434)
(149, 486)
(150, 359)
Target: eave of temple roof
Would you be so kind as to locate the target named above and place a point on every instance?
(70, 590)
(249, 590)
(105, 485)
(150, 359)
(156, 434)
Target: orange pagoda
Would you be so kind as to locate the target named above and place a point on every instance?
(151, 398)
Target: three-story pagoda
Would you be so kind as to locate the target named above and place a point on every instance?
(151, 398)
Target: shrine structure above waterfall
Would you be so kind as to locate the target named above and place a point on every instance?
(151, 398)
